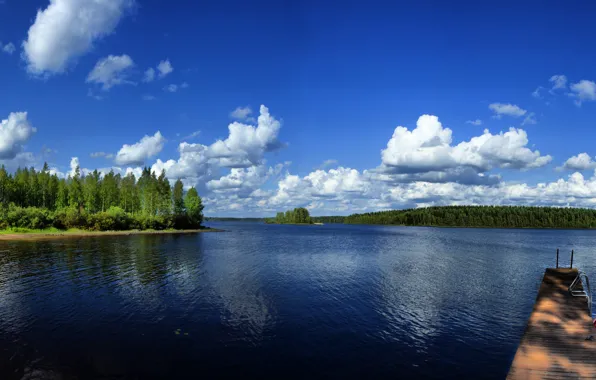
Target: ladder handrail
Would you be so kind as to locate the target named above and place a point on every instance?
(585, 292)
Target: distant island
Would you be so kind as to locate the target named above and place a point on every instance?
(40, 202)
(475, 216)
(298, 215)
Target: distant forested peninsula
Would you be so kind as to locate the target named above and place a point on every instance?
(38, 201)
(475, 216)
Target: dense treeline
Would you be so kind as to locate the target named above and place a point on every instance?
(299, 215)
(328, 219)
(37, 200)
(482, 216)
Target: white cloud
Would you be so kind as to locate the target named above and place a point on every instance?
(74, 164)
(501, 109)
(67, 29)
(582, 161)
(328, 163)
(427, 148)
(345, 191)
(243, 181)
(149, 97)
(164, 68)
(474, 122)
(101, 154)
(149, 75)
(529, 119)
(9, 48)
(20, 160)
(246, 144)
(334, 185)
(184, 85)
(111, 71)
(558, 82)
(241, 113)
(171, 88)
(137, 153)
(244, 148)
(583, 90)
(14, 133)
(538, 92)
(193, 135)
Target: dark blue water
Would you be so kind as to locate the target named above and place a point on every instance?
(328, 301)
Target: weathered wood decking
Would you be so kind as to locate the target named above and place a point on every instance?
(554, 345)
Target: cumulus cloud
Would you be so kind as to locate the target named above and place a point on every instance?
(14, 133)
(246, 144)
(346, 190)
(164, 68)
(582, 161)
(137, 153)
(558, 82)
(74, 164)
(243, 181)
(474, 122)
(149, 97)
(67, 29)
(149, 75)
(501, 109)
(583, 90)
(9, 48)
(244, 149)
(427, 148)
(111, 71)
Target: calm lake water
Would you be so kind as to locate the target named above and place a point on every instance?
(286, 301)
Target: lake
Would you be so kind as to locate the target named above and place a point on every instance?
(333, 301)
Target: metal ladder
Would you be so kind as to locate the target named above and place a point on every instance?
(585, 291)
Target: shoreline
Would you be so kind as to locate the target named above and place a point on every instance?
(17, 236)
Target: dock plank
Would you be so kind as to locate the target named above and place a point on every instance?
(554, 344)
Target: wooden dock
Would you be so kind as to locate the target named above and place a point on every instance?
(554, 345)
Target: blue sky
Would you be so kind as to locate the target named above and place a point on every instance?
(336, 78)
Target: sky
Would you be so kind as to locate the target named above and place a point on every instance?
(340, 107)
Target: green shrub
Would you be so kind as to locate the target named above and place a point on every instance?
(30, 217)
(70, 217)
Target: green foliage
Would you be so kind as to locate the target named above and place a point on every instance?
(178, 197)
(194, 208)
(483, 216)
(32, 200)
(328, 219)
(31, 217)
(299, 215)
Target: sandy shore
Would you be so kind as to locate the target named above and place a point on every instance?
(77, 234)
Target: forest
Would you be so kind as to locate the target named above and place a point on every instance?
(298, 215)
(31, 199)
(482, 216)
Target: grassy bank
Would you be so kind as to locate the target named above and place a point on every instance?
(54, 233)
